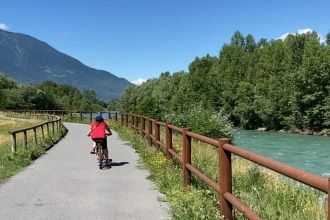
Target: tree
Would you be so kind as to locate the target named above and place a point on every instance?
(128, 99)
(237, 39)
(312, 83)
(250, 44)
(276, 84)
(199, 78)
(6, 82)
(231, 71)
(327, 41)
(272, 91)
(149, 107)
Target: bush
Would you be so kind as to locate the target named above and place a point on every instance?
(204, 122)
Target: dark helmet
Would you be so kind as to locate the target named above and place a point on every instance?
(99, 118)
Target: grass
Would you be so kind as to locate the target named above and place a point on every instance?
(12, 163)
(268, 194)
(7, 125)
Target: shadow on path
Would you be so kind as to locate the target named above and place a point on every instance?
(114, 164)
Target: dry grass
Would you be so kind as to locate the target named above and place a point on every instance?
(7, 125)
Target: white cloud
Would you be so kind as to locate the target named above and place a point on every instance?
(302, 31)
(3, 26)
(283, 36)
(139, 81)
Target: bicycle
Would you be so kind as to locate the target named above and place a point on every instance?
(99, 153)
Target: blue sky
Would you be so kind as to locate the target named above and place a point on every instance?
(140, 39)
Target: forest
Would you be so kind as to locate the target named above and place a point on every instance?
(281, 84)
(46, 96)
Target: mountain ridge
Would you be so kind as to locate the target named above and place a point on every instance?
(28, 60)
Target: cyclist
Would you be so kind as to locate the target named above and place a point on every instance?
(99, 131)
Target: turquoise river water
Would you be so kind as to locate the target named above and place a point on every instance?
(305, 152)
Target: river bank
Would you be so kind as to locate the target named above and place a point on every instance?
(324, 132)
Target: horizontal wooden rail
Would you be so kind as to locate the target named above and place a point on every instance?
(246, 211)
(150, 129)
(55, 123)
(224, 187)
(289, 171)
(214, 185)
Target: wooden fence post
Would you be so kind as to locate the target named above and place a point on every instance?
(13, 142)
(25, 139)
(90, 116)
(168, 140)
(122, 119)
(42, 131)
(58, 123)
(53, 127)
(143, 126)
(35, 136)
(150, 131)
(132, 120)
(157, 134)
(126, 120)
(225, 178)
(48, 133)
(136, 123)
(186, 157)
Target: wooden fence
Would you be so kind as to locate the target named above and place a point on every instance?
(225, 152)
(52, 125)
(150, 128)
(77, 115)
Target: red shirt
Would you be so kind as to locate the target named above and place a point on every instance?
(98, 129)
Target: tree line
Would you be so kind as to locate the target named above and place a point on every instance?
(46, 96)
(276, 84)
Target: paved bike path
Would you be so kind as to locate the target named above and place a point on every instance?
(66, 183)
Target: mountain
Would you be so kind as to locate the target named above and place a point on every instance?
(28, 60)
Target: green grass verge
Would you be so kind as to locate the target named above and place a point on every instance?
(271, 196)
(12, 163)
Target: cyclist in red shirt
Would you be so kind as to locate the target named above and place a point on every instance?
(99, 131)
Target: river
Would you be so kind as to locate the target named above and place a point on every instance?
(308, 153)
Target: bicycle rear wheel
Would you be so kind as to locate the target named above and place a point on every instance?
(101, 163)
(100, 157)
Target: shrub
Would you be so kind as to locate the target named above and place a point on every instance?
(203, 121)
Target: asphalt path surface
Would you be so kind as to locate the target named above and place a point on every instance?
(66, 183)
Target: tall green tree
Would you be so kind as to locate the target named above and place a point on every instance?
(231, 72)
(272, 91)
(312, 84)
(199, 78)
(276, 84)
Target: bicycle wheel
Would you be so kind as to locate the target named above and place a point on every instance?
(100, 155)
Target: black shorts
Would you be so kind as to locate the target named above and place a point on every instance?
(104, 142)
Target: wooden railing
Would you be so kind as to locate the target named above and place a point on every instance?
(150, 128)
(78, 115)
(73, 114)
(52, 125)
(225, 152)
